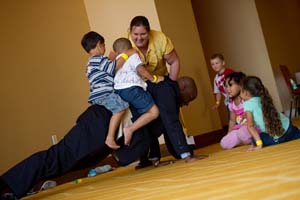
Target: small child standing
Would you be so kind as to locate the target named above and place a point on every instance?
(217, 63)
(100, 72)
(132, 88)
(260, 111)
(237, 129)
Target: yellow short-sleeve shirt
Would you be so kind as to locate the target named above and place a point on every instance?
(159, 45)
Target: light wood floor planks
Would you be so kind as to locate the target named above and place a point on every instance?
(270, 174)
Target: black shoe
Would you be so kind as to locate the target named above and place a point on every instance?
(159, 163)
(143, 164)
(8, 196)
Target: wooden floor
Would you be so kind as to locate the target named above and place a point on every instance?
(270, 174)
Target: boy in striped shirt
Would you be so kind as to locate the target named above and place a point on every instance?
(100, 72)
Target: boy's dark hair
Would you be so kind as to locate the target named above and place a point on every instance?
(89, 40)
(140, 21)
(217, 55)
(121, 44)
(236, 77)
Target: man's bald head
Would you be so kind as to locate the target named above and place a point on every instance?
(188, 90)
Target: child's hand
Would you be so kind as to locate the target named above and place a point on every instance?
(254, 148)
(112, 55)
(160, 78)
(216, 106)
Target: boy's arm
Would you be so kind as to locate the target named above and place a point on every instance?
(218, 100)
(253, 132)
(121, 58)
(144, 72)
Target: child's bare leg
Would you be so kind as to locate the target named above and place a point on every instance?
(113, 125)
(144, 119)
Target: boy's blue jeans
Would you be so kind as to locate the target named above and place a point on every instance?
(137, 97)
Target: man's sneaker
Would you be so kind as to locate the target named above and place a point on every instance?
(45, 186)
(8, 196)
(48, 184)
(143, 164)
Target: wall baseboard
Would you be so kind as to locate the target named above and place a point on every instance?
(210, 138)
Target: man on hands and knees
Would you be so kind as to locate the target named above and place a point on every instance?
(169, 96)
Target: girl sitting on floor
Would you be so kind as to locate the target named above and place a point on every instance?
(237, 128)
(260, 111)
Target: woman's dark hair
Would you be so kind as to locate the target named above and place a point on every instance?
(140, 21)
(89, 41)
(255, 87)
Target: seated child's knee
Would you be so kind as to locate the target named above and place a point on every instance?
(226, 144)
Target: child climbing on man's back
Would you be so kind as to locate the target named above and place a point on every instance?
(131, 87)
(100, 72)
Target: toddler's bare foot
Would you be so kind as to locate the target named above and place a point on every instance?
(127, 135)
(111, 143)
(193, 158)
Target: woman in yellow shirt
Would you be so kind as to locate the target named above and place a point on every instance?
(156, 50)
(154, 47)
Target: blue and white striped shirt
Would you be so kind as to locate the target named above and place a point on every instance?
(100, 73)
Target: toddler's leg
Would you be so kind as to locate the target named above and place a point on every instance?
(144, 119)
(244, 135)
(230, 140)
(113, 125)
